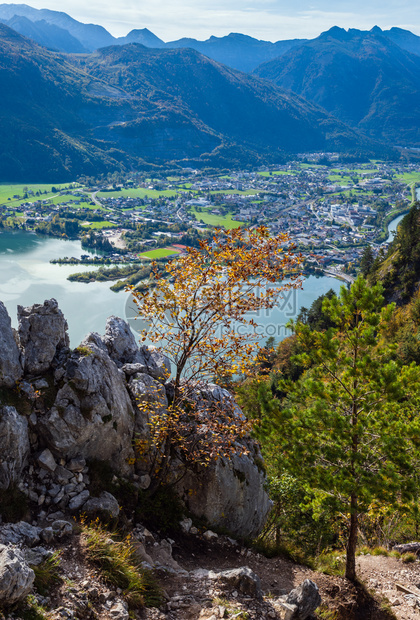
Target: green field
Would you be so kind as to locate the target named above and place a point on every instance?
(410, 177)
(16, 189)
(139, 208)
(58, 200)
(353, 192)
(87, 205)
(311, 166)
(342, 179)
(9, 189)
(161, 253)
(139, 192)
(216, 220)
(100, 225)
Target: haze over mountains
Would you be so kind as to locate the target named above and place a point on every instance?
(362, 78)
(235, 50)
(84, 102)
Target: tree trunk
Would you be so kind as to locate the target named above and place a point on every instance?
(352, 541)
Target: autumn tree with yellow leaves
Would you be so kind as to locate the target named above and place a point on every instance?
(199, 315)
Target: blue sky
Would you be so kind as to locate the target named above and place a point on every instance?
(271, 20)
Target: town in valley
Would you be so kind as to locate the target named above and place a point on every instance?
(331, 210)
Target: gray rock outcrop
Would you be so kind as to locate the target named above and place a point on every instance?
(145, 389)
(412, 547)
(104, 504)
(146, 392)
(228, 493)
(123, 349)
(21, 533)
(242, 579)
(92, 416)
(16, 578)
(120, 342)
(90, 407)
(304, 599)
(211, 396)
(42, 334)
(14, 446)
(10, 367)
(157, 364)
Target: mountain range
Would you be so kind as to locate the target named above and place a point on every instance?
(77, 100)
(60, 32)
(43, 26)
(64, 115)
(362, 78)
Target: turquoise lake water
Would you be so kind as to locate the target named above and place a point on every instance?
(27, 277)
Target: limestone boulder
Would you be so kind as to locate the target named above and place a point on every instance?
(16, 578)
(242, 579)
(92, 416)
(21, 533)
(147, 391)
(209, 396)
(14, 446)
(230, 492)
(157, 364)
(10, 367)
(120, 342)
(123, 349)
(303, 600)
(42, 334)
(105, 504)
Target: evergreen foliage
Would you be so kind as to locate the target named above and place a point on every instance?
(348, 429)
(399, 268)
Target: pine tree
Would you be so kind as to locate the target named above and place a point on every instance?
(366, 261)
(349, 427)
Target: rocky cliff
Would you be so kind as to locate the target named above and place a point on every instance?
(68, 421)
(63, 409)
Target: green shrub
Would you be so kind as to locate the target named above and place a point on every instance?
(332, 563)
(29, 610)
(408, 558)
(83, 351)
(47, 573)
(119, 566)
(325, 613)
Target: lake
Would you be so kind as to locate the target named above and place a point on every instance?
(27, 277)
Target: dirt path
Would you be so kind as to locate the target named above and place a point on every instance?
(382, 575)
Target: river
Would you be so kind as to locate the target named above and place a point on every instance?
(392, 227)
(27, 277)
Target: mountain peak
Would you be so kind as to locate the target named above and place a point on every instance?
(336, 32)
(143, 36)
